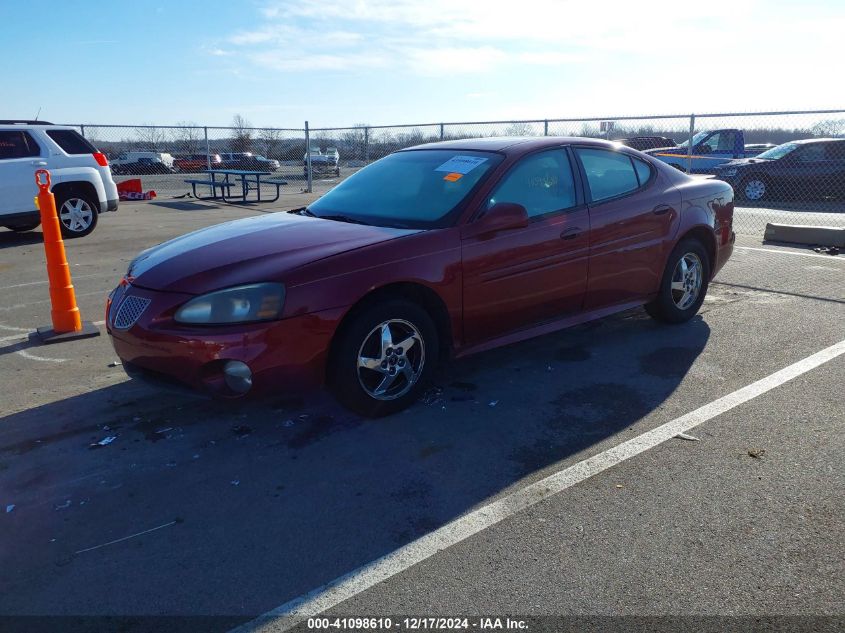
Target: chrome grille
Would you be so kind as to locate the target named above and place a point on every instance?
(131, 308)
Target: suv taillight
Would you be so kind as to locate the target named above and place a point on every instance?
(101, 159)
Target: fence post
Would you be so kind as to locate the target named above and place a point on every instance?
(441, 132)
(366, 145)
(208, 157)
(546, 127)
(308, 158)
(689, 143)
(82, 130)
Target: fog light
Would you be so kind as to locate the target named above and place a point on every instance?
(238, 376)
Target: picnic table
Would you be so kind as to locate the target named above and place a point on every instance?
(249, 181)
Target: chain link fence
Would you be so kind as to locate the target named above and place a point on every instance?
(791, 165)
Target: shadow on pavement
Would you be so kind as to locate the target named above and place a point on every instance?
(220, 508)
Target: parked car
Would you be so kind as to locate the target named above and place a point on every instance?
(193, 163)
(143, 162)
(807, 169)
(436, 251)
(322, 162)
(647, 142)
(250, 161)
(758, 148)
(79, 172)
(709, 149)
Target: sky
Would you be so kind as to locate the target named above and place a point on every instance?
(343, 62)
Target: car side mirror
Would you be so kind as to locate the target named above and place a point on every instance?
(502, 216)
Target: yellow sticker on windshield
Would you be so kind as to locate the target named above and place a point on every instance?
(454, 176)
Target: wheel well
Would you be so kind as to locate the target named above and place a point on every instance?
(705, 236)
(80, 188)
(422, 295)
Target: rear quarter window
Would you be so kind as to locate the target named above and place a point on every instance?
(71, 142)
(609, 174)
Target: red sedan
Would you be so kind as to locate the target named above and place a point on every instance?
(444, 249)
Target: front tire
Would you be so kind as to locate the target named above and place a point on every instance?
(684, 283)
(383, 357)
(78, 214)
(755, 189)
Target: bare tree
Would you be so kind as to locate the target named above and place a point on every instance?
(150, 137)
(188, 137)
(355, 141)
(272, 141)
(241, 134)
(829, 127)
(519, 128)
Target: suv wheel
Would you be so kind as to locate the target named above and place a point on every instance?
(383, 358)
(77, 214)
(684, 283)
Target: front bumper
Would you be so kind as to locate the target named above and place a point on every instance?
(288, 355)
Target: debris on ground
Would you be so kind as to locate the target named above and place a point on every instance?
(62, 506)
(492, 403)
(618, 485)
(432, 396)
(827, 250)
(235, 482)
(288, 423)
(115, 363)
(756, 453)
(103, 442)
(304, 417)
(10, 507)
(688, 438)
(241, 430)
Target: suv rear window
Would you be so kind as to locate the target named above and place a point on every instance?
(17, 145)
(71, 141)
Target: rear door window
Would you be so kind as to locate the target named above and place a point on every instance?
(609, 174)
(17, 144)
(71, 142)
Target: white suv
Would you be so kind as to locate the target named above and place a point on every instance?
(81, 180)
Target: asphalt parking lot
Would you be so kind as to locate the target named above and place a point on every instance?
(505, 491)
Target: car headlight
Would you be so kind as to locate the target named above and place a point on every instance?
(242, 304)
(728, 172)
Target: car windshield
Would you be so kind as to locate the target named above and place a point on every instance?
(696, 139)
(411, 189)
(778, 152)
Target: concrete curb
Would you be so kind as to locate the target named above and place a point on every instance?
(821, 235)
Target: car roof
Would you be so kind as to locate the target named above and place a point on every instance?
(805, 141)
(515, 144)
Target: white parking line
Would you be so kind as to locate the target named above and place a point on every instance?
(830, 258)
(315, 602)
(46, 281)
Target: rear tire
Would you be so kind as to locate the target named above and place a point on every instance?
(684, 283)
(370, 371)
(78, 213)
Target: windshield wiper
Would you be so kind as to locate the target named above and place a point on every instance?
(340, 218)
(302, 211)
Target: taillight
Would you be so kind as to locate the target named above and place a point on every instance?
(101, 159)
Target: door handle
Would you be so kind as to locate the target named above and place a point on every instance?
(660, 209)
(39, 163)
(571, 233)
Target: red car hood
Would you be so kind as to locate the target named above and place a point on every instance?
(250, 250)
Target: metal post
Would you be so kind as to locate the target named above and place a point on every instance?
(366, 144)
(208, 158)
(689, 148)
(82, 130)
(546, 127)
(441, 132)
(308, 158)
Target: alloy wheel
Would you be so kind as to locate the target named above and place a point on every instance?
(686, 281)
(390, 360)
(76, 214)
